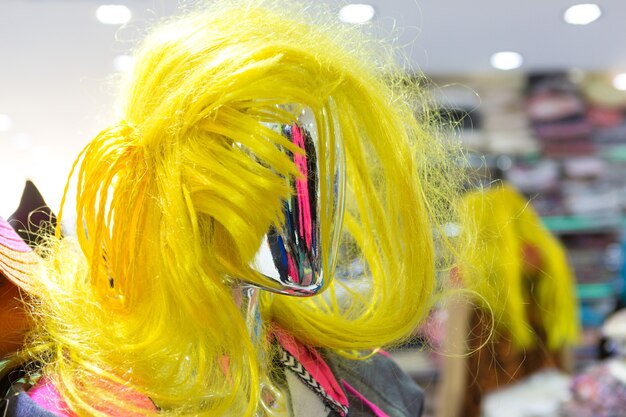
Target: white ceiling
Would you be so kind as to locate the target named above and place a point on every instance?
(57, 78)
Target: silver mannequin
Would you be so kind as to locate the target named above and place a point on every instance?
(291, 256)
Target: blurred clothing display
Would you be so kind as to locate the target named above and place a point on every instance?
(518, 316)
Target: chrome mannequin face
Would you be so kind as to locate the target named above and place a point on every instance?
(292, 255)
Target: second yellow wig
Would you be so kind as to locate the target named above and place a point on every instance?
(501, 223)
(174, 200)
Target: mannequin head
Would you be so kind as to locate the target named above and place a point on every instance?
(293, 248)
(514, 253)
(177, 198)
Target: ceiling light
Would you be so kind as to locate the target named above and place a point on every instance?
(619, 81)
(123, 63)
(582, 14)
(356, 13)
(506, 60)
(113, 14)
(5, 123)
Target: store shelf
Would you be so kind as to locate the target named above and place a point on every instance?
(614, 153)
(596, 302)
(595, 291)
(578, 224)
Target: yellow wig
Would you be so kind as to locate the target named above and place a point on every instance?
(174, 200)
(502, 222)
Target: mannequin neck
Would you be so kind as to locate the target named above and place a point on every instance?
(273, 401)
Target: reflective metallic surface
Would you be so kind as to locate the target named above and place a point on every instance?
(291, 255)
(273, 402)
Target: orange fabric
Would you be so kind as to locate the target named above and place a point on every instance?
(499, 363)
(13, 319)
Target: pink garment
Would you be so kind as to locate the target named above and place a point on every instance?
(377, 411)
(292, 270)
(10, 239)
(302, 187)
(313, 363)
(45, 395)
(384, 353)
(320, 371)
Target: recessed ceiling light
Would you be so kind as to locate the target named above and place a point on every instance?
(123, 63)
(619, 81)
(357, 13)
(506, 60)
(113, 14)
(582, 14)
(5, 123)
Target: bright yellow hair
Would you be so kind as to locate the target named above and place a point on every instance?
(173, 202)
(501, 222)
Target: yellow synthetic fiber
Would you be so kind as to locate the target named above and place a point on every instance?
(502, 222)
(173, 201)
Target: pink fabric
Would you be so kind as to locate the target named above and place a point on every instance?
(17, 259)
(302, 187)
(377, 411)
(292, 270)
(10, 239)
(47, 397)
(384, 353)
(313, 363)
